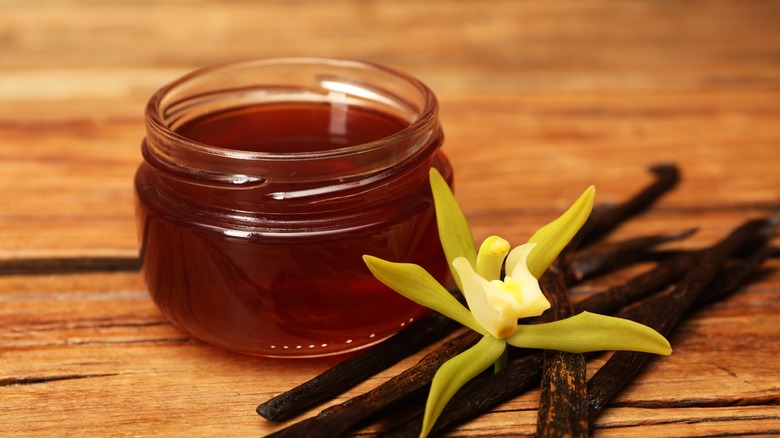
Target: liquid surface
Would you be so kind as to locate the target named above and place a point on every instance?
(306, 295)
(292, 127)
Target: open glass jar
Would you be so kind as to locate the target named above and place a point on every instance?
(263, 184)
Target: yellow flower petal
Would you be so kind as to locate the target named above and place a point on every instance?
(454, 373)
(416, 284)
(553, 237)
(505, 298)
(454, 231)
(474, 289)
(591, 332)
(514, 301)
(534, 301)
(491, 256)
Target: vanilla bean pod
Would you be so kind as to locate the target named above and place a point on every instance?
(664, 311)
(485, 392)
(605, 256)
(69, 265)
(563, 403)
(667, 177)
(354, 370)
(663, 274)
(479, 396)
(337, 420)
(735, 275)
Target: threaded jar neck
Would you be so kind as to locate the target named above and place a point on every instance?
(335, 83)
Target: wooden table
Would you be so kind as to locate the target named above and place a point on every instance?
(538, 100)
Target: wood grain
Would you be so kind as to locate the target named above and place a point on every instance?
(538, 100)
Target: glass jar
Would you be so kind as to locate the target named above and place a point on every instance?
(263, 184)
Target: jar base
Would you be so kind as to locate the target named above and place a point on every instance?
(315, 355)
(308, 350)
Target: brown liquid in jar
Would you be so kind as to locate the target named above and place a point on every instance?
(303, 293)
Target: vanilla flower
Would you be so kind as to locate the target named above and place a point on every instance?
(495, 304)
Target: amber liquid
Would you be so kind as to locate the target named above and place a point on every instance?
(292, 127)
(306, 294)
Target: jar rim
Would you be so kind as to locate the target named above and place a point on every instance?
(427, 114)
